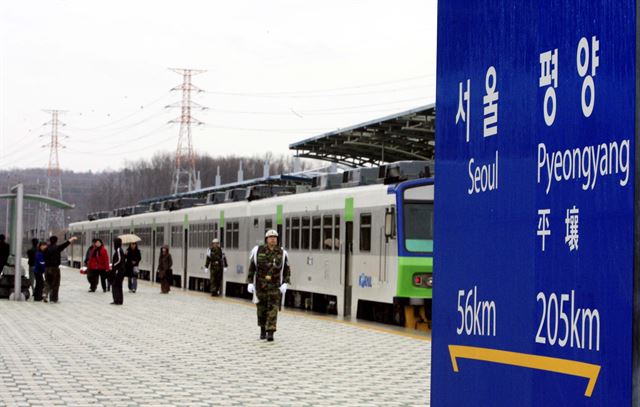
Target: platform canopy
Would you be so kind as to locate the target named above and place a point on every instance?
(56, 203)
(408, 135)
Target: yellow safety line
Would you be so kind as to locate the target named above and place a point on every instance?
(564, 366)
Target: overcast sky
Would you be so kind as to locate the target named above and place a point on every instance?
(277, 72)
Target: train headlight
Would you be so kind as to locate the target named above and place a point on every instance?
(424, 280)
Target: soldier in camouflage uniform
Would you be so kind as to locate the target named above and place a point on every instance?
(216, 262)
(269, 276)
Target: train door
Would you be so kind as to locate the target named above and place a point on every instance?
(185, 252)
(280, 235)
(152, 273)
(348, 256)
(83, 239)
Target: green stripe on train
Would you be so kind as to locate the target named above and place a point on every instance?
(348, 209)
(407, 267)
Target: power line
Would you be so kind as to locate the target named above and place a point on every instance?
(297, 92)
(329, 95)
(119, 146)
(164, 95)
(122, 152)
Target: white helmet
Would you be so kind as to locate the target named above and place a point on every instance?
(215, 241)
(271, 233)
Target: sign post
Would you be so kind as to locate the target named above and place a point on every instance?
(534, 223)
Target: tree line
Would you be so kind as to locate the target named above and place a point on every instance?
(137, 180)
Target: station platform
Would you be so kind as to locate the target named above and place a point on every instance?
(189, 349)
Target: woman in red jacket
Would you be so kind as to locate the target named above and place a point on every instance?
(98, 265)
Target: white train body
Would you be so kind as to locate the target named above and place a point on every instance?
(335, 239)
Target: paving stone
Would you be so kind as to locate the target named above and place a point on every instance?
(187, 349)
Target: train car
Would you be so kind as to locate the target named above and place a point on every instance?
(364, 251)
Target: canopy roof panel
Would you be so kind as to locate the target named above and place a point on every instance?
(408, 135)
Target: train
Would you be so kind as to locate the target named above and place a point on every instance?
(359, 244)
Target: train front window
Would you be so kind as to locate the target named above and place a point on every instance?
(418, 226)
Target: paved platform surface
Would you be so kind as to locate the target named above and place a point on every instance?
(188, 349)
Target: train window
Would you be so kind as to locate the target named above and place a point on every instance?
(315, 232)
(305, 235)
(287, 233)
(256, 222)
(295, 233)
(418, 226)
(222, 237)
(327, 230)
(365, 232)
(236, 235)
(160, 236)
(336, 232)
(208, 234)
(229, 237)
(233, 235)
(268, 225)
(176, 236)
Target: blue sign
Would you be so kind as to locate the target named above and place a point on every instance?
(364, 281)
(534, 222)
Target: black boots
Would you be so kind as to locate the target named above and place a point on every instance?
(264, 334)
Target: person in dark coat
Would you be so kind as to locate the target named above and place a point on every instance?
(87, 257)
(117, 271)
(4, 252)
(52, 267)
(133, 260)
(98, 265)
(31, 256)
(165, 273)
(38, 271)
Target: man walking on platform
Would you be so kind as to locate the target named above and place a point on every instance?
(52, 268)
(269, 276)
(216, 262)
(117, 271)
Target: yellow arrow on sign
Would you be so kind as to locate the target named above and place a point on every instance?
(564, 366)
